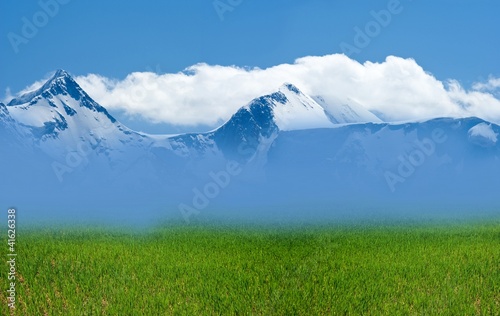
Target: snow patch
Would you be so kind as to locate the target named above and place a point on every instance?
(299, 111)
(344, 113)
(483, 135)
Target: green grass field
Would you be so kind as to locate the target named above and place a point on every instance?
(402, 269)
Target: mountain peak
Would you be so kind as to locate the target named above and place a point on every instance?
(61, 73)
(284, 110)
(58, 101)
(289, 87)
(60, 77)
(60, 83)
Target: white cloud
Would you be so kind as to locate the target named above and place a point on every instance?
(475, 103)
(493, 84)
(7, 96)
(37, 84)
(397, 89)
(32, 87)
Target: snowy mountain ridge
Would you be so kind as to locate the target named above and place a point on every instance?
(342, 113)
(293, 110)
(61, 114)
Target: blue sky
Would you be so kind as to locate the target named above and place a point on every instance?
(450, 39)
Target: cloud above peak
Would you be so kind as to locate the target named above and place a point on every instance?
(397, 89)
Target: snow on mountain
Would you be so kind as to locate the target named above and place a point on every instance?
(62, 118)
(343, 113)
(293, 110)
(252, 129)
(483, 135)
(5, 118)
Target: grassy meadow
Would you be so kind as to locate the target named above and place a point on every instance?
(406, 269)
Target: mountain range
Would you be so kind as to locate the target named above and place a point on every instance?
(281, 156)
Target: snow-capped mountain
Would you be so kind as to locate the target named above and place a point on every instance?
(293, 110)
(263, 118)
(284, 154)
(288, 109)
(60, 117)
